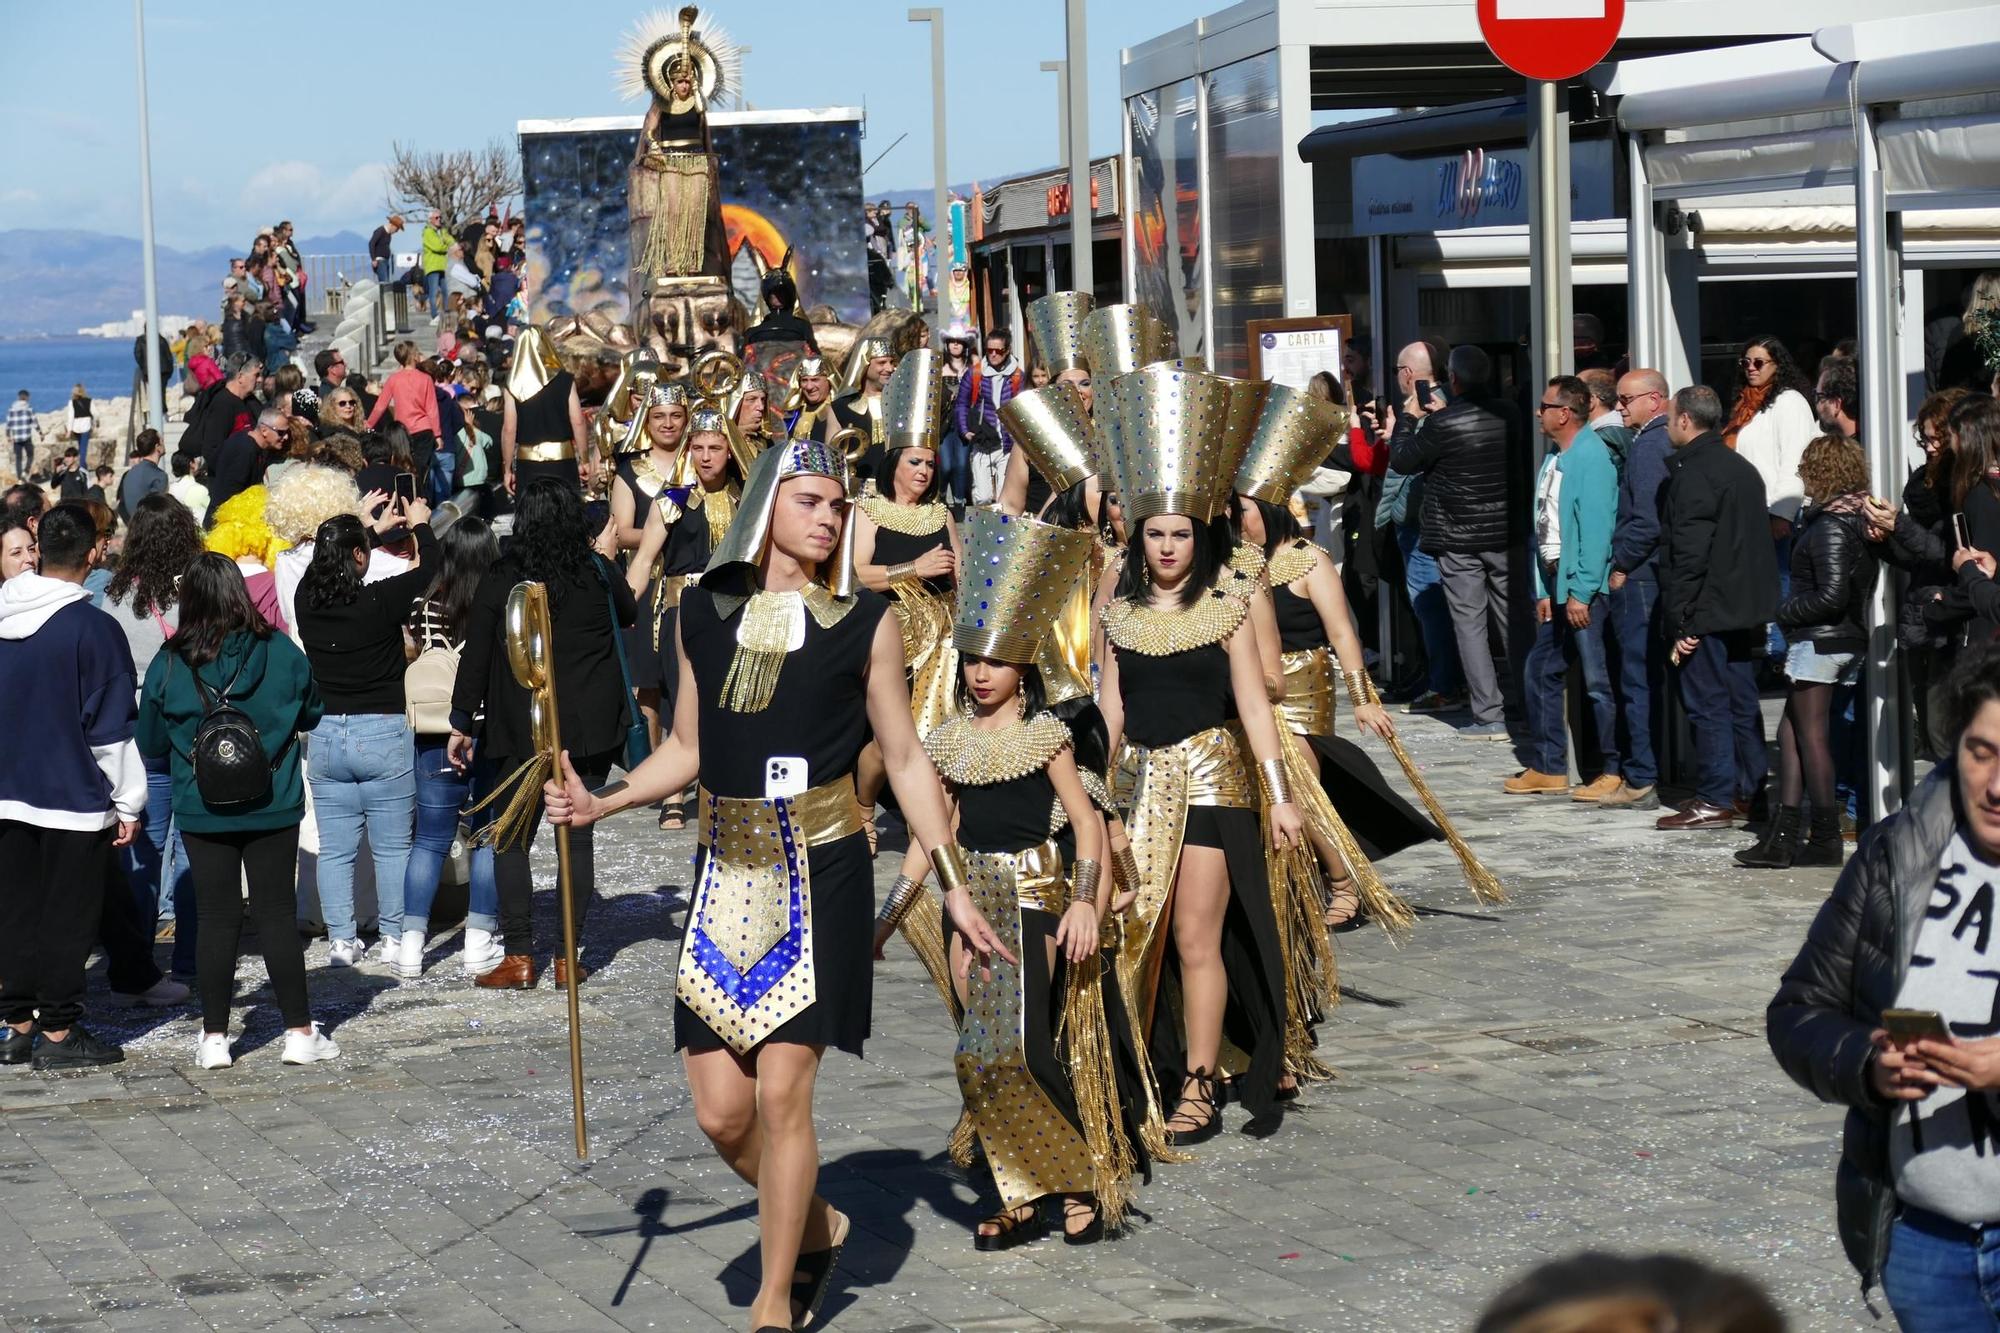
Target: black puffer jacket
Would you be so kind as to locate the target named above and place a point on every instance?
(1718, 568)
(1832, 996)
(1833, 576)
(1462, 452)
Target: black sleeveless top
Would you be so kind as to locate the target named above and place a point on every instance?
(688, 549)
(1009, 816)
(544, 417)
(1299, 625)
(1170, 698)
(818, 714)
(1039, 490)
(675, 125)
(893, 548)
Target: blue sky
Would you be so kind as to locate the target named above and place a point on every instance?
(270, 110)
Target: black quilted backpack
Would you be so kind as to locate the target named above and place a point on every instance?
(230, 766)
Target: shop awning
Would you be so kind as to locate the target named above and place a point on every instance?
(1501, 120)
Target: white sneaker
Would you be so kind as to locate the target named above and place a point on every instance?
(162, 994)
(483, 952)
(346, 953)
(211, 1051)
(309, 1047)
(409, 955)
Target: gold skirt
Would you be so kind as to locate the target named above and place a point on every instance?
(1307, 707)
(676, 235)
(928, 655)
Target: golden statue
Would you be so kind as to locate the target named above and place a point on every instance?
(675, 194)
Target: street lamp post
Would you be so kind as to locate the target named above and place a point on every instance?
(156, 389)
(1060, 68)
(940, 219)
(1081, 214)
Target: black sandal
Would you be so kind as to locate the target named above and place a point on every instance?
(817, 1267)
(1076, 1206)
(1341, 892)
(673, 816)
(1206, 1093)
(1012, 1229)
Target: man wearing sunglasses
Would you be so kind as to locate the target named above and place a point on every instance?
(1643, 401)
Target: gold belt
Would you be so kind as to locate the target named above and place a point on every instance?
(1216, 774)
(1038, 878)
(545, 453)
(683, 145)
(826, 813)
(1308, 703)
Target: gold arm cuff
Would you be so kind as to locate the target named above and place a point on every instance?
(1083, 882)
(897, 905)
(1271, 777)
(1125, 868)
(948, 864)
(561, 452)
(906, 570)
(1357, 687)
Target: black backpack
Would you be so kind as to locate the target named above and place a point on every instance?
(230, 767)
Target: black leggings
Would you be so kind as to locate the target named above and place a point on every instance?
(220, 862)
(516, 881)
(1805, 747)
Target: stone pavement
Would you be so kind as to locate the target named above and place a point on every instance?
(1582, 1067)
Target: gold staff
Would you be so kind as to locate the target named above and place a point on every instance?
(529, 654)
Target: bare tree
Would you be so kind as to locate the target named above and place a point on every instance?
(461, 184)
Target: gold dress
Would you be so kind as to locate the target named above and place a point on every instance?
(923, 606)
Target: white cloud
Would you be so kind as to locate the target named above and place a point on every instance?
(313, 199)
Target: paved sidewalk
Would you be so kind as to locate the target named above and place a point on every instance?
(1582, 1067)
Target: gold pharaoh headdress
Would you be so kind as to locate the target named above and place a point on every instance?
(1175, 453)
(663, 39)
(1053, 427)
(1056, 323)
(1017, 580)
(535, 363)
(913, 402)
(808, 367)
(1119, 339)
(1294, 432)
(709, 419)
(735, 560)
(858, 357)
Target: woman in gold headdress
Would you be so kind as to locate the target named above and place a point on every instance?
(675, 192)
(1182, 690)
(1053, 1084)
(906, 547)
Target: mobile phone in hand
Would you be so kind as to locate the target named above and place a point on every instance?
(406, 488)
(1423, 394)
(1908, 1025)
(1959, 533)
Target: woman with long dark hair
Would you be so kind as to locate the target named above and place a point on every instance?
(1826, 619)
(363, 755)
(222, 649)
(588, 604)
(1771, 421)
(466, 551)
(161, 545)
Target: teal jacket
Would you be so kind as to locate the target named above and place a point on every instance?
(436, 249)
(1589, 513)
(277, 692)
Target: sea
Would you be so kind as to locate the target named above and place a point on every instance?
(48, 368)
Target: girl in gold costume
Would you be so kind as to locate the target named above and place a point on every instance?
(639, 480)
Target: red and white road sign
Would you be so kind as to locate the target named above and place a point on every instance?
(1550, 39)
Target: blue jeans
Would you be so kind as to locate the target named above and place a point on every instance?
(1719, 690)
(1641, 676)
(434, 291)
(444, 474)
(385, 271)
(1775, 637)
(1548, 669)
(363, 772)
(442, 792)
(1847, 730)
(1426, 589)
(1941, 1277)
(156, 867)
(955, 462)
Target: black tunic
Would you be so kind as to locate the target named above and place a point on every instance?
(895, 548)
(687, 552)
(543, 418)
(818, 714)
(848, 414)
(640, 654)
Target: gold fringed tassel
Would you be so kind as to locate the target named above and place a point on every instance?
(1485, 885)
(1381, 903)
(964, 1141)
(1153, 1130)
(1294, 875)
(752, 679)
(1093, 1077)
(522, 790)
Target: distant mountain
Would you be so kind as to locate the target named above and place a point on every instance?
(61, 281)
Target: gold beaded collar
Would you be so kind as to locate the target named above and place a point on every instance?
(1292, 563)
(1146, 630)
(910, 520)
(968, 756)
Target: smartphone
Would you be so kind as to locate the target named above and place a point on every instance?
(1958, 532)
(785, 775)
(405, 488)
(1423, 394)
(1905, 1025)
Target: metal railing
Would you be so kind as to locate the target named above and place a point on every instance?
(327, 278)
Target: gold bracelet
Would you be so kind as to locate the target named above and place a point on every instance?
(897, 905)
(1271, 777)
(1125, 867)
(905, 570)
(949, 864)
(1083, 882)
(1357, 687)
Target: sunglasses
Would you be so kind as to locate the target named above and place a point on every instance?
(1627, 399)
(1752, 363)
(1554, 407)
(996, 351)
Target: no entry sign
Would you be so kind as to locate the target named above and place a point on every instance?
(1550, 39)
